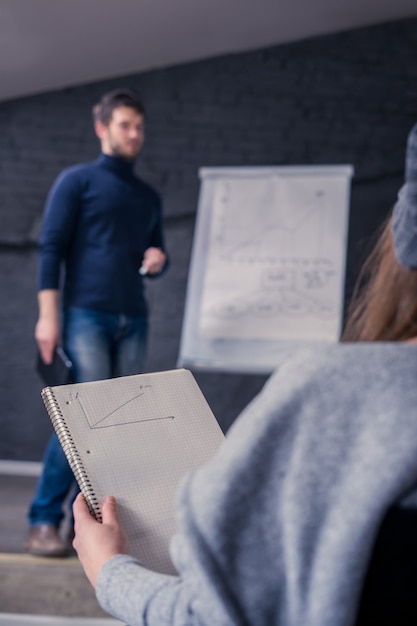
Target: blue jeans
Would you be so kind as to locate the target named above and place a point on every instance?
(100, 345)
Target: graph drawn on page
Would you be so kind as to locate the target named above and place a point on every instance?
(117, 411)
(275, 264)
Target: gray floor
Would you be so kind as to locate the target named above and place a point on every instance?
(36, 590)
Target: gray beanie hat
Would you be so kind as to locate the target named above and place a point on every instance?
(411, 157)
(404, 222)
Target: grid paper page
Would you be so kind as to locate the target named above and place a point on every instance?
(136, 437)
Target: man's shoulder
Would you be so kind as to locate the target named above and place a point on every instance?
(78, 170)
(76, 174)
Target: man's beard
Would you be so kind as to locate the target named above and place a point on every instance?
(118, 152)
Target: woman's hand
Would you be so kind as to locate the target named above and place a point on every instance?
(95, 542)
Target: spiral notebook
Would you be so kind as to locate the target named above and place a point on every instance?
(135, 438)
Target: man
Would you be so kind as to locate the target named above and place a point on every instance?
(103, 227)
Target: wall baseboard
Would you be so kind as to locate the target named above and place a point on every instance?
(20, 468)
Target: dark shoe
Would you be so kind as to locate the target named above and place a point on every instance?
(44, 540)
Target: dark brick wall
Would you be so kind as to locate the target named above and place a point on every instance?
(345, 98)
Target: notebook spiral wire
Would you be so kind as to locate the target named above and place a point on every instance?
(70, 451)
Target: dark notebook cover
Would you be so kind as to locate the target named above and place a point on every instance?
(56, 373)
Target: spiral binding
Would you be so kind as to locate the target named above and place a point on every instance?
(67, 443)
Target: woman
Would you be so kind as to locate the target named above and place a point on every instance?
(278, 528)
(384, 304)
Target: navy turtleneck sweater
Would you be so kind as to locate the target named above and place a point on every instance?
(99, 220)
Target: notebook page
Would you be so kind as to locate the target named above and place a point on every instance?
(137, 436)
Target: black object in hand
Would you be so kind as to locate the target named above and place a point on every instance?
(56, 373)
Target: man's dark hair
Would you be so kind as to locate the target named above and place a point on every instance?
(103, 110)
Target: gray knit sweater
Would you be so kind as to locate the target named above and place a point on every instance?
(278, 528)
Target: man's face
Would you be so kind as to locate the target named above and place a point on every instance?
(124, 135)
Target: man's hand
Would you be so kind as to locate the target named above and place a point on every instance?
(96, 543)
(47, 338)
(47, 331)
(153, 260)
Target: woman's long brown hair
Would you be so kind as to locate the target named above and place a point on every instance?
(384, 301)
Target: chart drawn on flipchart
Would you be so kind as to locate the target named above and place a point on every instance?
(275, 264)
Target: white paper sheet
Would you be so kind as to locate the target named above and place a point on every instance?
(268, 262)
